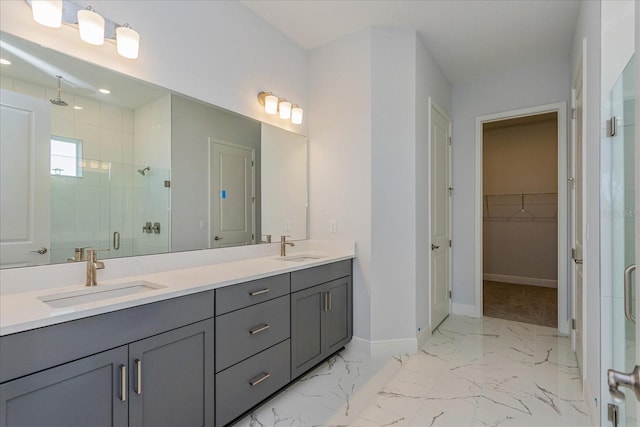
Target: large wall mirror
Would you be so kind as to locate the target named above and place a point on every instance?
(93, 158)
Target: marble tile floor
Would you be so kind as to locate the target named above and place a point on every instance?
(471, 372)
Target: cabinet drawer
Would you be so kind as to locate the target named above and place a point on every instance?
(248, 383)
(316, 275)
(245, 332)
(243, 295)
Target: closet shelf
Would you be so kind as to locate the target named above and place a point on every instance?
(523, 207)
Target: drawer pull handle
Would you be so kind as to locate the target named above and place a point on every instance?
(255, 293)
(254, 382)
(259, 329)
(123, 383)
(138, 388)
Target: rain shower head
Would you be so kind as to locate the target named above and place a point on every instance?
(58, 101)
(143, 171)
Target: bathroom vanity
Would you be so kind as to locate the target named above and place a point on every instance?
(203, 357)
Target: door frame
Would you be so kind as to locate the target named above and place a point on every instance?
(434, 105)
(563, 233)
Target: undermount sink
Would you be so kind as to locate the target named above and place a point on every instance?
(97, 293)
(300, 258)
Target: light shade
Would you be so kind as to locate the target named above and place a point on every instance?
(270, 104)
(284, 107)
(91, 26)
(296, 114)
(128, 42)
(47, 12)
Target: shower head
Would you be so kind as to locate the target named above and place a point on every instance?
(58, 101)
(143, 171)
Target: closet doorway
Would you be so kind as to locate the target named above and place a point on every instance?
(521, 220)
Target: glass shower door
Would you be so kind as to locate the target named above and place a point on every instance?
(617, 254)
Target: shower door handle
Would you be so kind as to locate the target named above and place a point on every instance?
(627, 293)
(116, 240)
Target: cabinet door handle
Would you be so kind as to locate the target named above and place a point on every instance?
(138, 387)
(259, 329)
(254, 382)
(329, 293)
(123, 383)
(255, 293)
(325, 301)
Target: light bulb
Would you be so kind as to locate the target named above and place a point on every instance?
(47, 12)
(91, 26)
(128, 42)
(296, 114)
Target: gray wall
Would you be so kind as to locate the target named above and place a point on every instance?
(192, 123)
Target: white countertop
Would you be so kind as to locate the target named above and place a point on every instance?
(23, 310)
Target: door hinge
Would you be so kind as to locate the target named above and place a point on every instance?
(573, 113)
(450, 141)
(612, 414)
(449, 243)
(611, 127)
(167, 184)
(573, 253)
(253, 236)
(449, 294)
(573, 324)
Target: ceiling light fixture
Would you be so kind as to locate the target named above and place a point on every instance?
(272, 105)
(91, 26)
(94, 29)
(5, 61)
(47, 12)
(105, 91)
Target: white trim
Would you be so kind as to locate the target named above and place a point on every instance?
(590, 403)
(517, 280)
(384, 348)
(563, 258)
(423, 336)
(465, 310)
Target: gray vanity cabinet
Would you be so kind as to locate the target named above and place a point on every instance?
(321, 314)
(171, 378)
(87, 392)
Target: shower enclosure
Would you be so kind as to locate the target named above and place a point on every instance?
(107, 205)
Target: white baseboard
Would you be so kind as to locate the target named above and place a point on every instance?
(464, 309)
(423, 336)
(532, 281)
(384, 348)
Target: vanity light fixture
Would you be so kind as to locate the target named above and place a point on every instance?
(272, 105)
(94, 29)
(47, 12)
(284, 108)
(105, 91)
(91, 26)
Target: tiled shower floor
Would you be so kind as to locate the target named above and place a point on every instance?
(471, 372)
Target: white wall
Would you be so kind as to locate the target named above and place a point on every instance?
(340, 157)
(368, 161)
(217, 51)
(527, 86)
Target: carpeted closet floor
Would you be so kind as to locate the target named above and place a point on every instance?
(521, 303)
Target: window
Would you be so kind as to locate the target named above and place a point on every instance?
(66, 156)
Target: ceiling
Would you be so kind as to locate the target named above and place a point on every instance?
(469, 39)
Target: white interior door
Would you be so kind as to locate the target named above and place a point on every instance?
(231, 194)
(577, 209)
(440, 216)
(25, 124)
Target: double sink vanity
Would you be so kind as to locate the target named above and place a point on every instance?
(196, 346)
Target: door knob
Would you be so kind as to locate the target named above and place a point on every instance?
(434, 247)
(40, 251)
(217, 238)
(631, 380)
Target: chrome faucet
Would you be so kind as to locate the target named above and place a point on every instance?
(283, 245)
(92, 265)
